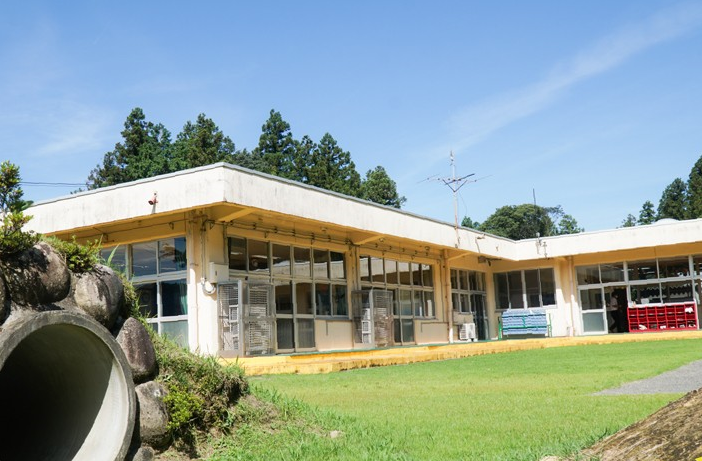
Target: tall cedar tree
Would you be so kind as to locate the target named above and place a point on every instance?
(629, 221)
(378, 187)
(276, 148)
(332, 168)
(647, 215)
(694, 191)
(144, 152)
(199, 144)
(673, 203)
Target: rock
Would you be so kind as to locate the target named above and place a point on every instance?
(4, 302)
(142, 454)
(100, 294)
(37, 276)
(139, 350)
(153, 415)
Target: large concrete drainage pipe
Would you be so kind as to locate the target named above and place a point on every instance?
(66, 391)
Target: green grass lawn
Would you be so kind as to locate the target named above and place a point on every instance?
(511, 406)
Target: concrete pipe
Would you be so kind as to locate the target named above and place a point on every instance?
(66, 390)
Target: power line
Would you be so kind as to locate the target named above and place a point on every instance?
(53, 184)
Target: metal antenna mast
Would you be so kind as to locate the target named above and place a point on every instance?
(455, 183)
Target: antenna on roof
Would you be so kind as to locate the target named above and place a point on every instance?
(454, 183)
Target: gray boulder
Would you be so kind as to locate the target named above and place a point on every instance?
(142, 454)
(139, 350)
(4, 302)
(37, 276)
(100, 294)
(153, 414)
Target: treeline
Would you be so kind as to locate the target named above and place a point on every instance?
(147, 150)
(526, 221)
(679, 200)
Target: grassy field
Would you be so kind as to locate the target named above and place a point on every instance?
(512, 406)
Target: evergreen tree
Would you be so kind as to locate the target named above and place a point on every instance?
(647, 215)
(201, 143)
(568, 225)
(144, 152)
(467, 222)
(673, 203)
(276, 147)
(332, 169)
(302, 161)
(519, 222)
(629, 221)
(379, 188)
(694, 191)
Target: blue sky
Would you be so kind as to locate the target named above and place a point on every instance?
(594, 104)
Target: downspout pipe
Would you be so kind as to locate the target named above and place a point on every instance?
(66, 388)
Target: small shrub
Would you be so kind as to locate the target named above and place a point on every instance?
(12, 238)
(79, 258)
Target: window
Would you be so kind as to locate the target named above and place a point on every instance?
(158, 272)
(412, 282)
(467, 291)
(528, 288)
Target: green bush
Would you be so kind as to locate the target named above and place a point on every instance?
(79, 258)
(12, 238)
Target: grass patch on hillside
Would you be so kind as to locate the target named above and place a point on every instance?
(512, 406)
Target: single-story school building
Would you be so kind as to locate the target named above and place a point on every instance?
(233, 262)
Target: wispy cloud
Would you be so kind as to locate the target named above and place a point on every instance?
(478, 121)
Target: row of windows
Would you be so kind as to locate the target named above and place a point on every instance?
(260, 257)
(527, 288)
(391, 272)
(306, 298)
(640, 270)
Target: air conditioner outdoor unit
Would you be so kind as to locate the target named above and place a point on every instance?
(466, 332)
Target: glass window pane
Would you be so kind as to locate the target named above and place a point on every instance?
(463, 280)
(174, 298)
(321, 264)
(516, 298)
(364, 268)
(144, 258)
(258, 256)
(405, 301)
(404, 270)
(642, 270)
(501, 291)
(340, 303)
(284, 329)
(427, 275)
(280, 259)
(322, 297)
(697, 266)
(429, 304)
(337, 266)
(283, 298)
(148, 299)
(418, 303)
(588, 275)
(479, 281)
(391, 272)
(302, 262)
(305, 333)
(477, 302)
(646, 294)
(416, 274)
(407, 331)
(612, 272)
(591, 299)
(454, 279)
(531, 279)
(548, 287)
(377, 270)
(115, 257)
(171, 255)
(593, 322)
(303, 298)
(669, 268)
(677, 292)
(456, 302)
(177, 331)
(237, 254)
(465, 303)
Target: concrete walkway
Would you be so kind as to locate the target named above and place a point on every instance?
(327, 362)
